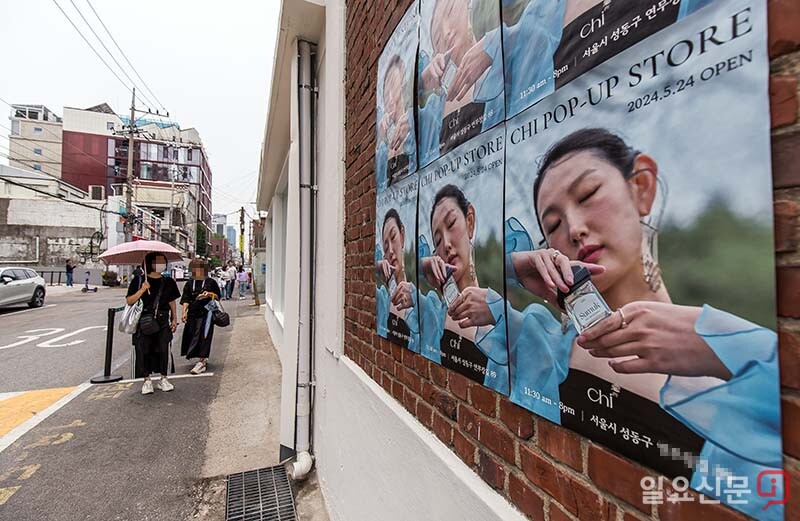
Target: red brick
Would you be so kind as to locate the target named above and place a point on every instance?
(618, 476)
(783, 21)
(793, 505)
(444, 402)
(397, 352)
(464, 448)
(788, 289)
(442, 428)
(491, 471)
(421, 365)
(468, 420)
(782, 99)
(458, 385)
(438, 375)
(411, 379)
(790, 417)
(786, 225)
(518, 420)
(562, 444)
(557, 514)
(789, 351)
(785, 158)
(525, 498)
(409, 401)
(679, 511)
(627, 516)
(579, 499)
(397, 390)
(425, 414)
(483, 399)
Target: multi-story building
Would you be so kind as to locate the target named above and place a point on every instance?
(230, 234)
(218, 223)
(35, 139)
(172, 178)
(220, 249)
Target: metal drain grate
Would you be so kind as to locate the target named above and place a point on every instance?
(260, 495)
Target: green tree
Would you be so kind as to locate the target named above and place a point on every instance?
(201, 241)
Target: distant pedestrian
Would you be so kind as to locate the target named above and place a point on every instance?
(199, 290)
(158, 295)
(231, 278)
(241, 277)
(70, 268)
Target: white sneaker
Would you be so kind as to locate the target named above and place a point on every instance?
(147, 387)
(199, 367)
(164, 384)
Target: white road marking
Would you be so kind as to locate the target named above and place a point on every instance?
(27, 338)
(6, 396)
(49, 343)
(20, 430)
(27, 310)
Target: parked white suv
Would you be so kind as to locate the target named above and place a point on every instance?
(21, 286)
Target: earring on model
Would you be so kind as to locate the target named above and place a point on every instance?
(651, 269)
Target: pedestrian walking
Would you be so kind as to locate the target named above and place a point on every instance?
(231, 278)
(158, 321)
(241, 278)
(70, 268)
(198, 291)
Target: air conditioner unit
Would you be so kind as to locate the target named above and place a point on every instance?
(97, 192)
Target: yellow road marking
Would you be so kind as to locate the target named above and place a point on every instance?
(23, 472)
(20, 408)
(53, 439)
(6, 493)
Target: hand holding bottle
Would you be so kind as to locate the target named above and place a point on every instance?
(544, 271)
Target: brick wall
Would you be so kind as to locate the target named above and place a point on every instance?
(543, 469)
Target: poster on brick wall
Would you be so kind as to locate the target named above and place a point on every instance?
(549, 43)
(396, 264)
(460, 261)
(395, 141)
(460, 73)
(639, 259)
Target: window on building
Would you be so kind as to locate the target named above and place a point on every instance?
(189, 154)
(37, 151)
(110, 125)
(165, 155)
(37, 130)
(175, 154)
(15, 128)
(37, 166)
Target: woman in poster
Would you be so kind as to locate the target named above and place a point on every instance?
(688, 372)
(548, 43)
(452, 323)
(461, 77)
(394, 157)
(397, 298)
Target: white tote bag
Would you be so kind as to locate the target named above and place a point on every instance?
(130, 317)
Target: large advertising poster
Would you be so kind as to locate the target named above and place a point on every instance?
(396, 264)
(639, 257)
(460, 259)
(549, 43)
(396, 144)
(460, 69)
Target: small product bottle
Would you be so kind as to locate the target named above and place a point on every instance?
(449, 74)
(392, 282)
(583, 302)
(450, 288)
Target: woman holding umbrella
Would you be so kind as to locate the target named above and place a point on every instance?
(158, 321)
(198, 291)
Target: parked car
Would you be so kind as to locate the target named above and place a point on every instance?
(21, 286)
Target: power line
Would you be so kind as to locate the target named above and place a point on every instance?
(48, 194)
(23, 161)
(91, 46)
(125, 56)
(80, 13)
(41, 150)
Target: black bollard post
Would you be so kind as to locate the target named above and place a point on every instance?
(107, 377)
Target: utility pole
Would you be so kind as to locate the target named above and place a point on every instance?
(241, 233)
(129, 187)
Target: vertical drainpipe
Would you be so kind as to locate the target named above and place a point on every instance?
(304, 461)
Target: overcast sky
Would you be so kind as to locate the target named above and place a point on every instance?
(208, 62)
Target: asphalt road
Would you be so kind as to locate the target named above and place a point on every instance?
(63, 343)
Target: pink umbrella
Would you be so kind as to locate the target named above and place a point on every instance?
(133, 252)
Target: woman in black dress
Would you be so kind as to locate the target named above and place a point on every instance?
(158, 295)
(198, 292)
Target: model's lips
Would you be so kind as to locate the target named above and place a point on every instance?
(590, 253)
(452, 259)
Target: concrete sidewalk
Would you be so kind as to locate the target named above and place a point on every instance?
(114, 454)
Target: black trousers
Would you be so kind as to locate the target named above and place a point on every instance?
(152, 351)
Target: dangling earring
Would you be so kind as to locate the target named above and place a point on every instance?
(472, 273)
(650, 267)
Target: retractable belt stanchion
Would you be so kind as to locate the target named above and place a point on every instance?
(107, 377)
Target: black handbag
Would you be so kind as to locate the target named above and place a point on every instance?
(148, 323)
(219, 317)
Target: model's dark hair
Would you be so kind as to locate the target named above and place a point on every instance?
(602, 143)
(395, 61)
(392, 214)
(454, 192)
(150, 258)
